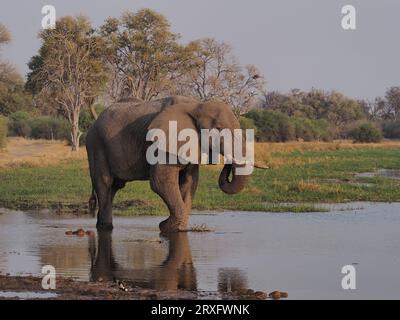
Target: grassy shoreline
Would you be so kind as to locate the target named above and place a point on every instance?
(297, 177)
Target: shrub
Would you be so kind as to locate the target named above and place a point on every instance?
(246, 123)
(366, 132)
(316, 104)
(272, 126)
(311, 130)
(275, 126)
(18, 124)
(391, 129)
(3, 131)
(23, 124)
(50, 128)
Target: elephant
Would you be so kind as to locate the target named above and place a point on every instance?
(116, 146)
(175, 272)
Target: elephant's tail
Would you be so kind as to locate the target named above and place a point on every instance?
(93, 203)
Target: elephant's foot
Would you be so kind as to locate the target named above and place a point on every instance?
(173, 225)
(104, 226)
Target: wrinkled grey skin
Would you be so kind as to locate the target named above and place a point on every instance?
(116, 146)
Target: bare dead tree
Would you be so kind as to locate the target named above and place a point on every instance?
(217, 75)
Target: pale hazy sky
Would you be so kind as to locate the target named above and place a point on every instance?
(294, 43)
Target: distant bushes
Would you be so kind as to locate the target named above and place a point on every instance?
(247, 123)
(271, 126)
(312, 130)
(366, 132)
(49, 128)
(391, 129)
(332, 106)
(3, 131)
(275, 126)
(23, 124)
(18, 124)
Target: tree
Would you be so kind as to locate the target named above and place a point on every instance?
(3, 131)
(12, 94)
(272, 100)
(337, 109)
(366, 132)
(334, 107)
(217, 75)
(291, 103)
(392, 97)
(384, 108)
(368, 108)
(7, 71)
(5, 36)
(69, 69)
(143, 54)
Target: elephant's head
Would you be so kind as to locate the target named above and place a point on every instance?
(209, 115)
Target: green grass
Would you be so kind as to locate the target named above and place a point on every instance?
(316, 177)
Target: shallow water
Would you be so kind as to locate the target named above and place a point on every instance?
(386, 173)
(302, 254)
(27, 295)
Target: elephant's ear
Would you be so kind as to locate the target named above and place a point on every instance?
(179, 116)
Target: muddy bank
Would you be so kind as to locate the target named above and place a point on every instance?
(29, 287)
(59, 208)
(69, 289)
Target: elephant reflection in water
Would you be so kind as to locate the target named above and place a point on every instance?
(176, 272)
(103, 263)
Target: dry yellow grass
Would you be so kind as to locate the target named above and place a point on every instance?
(313, 186)
(308, 186)
(36, 153)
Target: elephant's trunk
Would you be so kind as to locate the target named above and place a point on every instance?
(237, 183)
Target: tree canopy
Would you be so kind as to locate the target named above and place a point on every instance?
(143, 54)
(12, 94)
(69, 68)
(331, 106)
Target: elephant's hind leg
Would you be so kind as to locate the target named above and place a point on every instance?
(104, 216)
(164, 180)
(103, 185)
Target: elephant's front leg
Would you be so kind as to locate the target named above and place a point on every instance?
(188, 180)
(164, 180)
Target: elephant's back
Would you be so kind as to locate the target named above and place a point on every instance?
(120, 115)
(125, 113)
